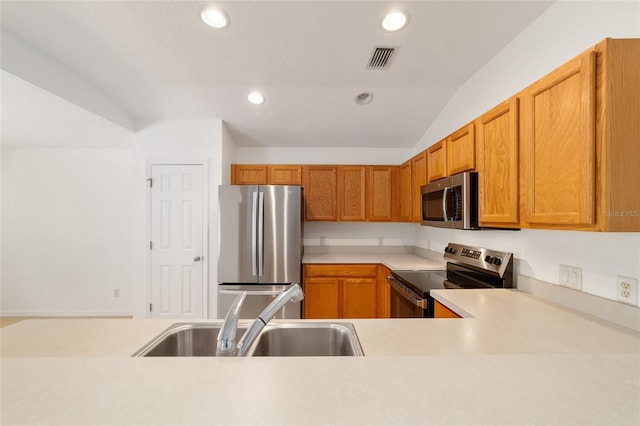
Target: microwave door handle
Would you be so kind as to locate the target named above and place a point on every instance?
(444, 203)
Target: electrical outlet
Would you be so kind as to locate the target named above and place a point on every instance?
(627, 289)
(116, 292)
(571, 276)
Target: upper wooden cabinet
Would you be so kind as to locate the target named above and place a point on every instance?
(461, 150)
(455, 154)
(401, 192)
(379, 193)
(497, 155)
(558, 145)
(249, 174)
(351, 192)
(579, 142)
(418, 178)
(348, 193)
(266, 174)
(282, 174)
(437, 161)
(320, 192)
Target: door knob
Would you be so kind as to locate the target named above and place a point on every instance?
(197, 259)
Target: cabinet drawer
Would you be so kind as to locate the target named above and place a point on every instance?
(340, 270)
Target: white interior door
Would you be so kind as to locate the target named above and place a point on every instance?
(177, 241)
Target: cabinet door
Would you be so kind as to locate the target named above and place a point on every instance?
(497, 137)
(437, 161)
(351, 190)
(359, 298)
(378, 193)
(461, 150)
(558, 145)
(285, 175)
(418, 178)
(441, 311)
(401, 208)
(383, 293)
(320, 192)
(321, 298)
(248, 174)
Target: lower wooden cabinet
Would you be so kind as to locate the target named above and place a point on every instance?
(441, 311)
(321, 297)
(340, 291)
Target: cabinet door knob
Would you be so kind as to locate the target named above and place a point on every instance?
(197, 259)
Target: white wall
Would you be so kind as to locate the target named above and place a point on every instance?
(174, 142)
(66, 231)
(228, 155)
(372, 156)
(358, 234)
(563, 31)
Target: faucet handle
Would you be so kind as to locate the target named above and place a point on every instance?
(227, 336)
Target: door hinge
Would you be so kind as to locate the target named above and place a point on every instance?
(150, 245)
(150, 307)
(150, 182)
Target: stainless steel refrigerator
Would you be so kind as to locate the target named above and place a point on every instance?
(259, 246)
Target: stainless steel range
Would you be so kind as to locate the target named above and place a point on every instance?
(467, 268)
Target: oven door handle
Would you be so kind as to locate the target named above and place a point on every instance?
(407, 293)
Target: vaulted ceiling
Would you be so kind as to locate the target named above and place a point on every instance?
(156, 60)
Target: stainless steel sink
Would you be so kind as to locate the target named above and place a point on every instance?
(285, 339)
(308, 339)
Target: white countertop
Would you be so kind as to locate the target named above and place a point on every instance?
(398, 261)
(515, 359)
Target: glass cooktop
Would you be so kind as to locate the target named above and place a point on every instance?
(422, 281)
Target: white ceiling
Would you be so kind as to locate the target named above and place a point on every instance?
(157, 60)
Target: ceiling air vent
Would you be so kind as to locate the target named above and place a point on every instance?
(381, 58)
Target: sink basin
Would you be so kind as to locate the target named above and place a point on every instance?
(308, 339)
(185, 339)
(286, 339)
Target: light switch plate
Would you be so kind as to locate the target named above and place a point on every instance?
(570, 276)
(627, 289)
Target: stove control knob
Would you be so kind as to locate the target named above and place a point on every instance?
(488, 259)
(497, 261)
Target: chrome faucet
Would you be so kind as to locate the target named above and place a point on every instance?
(226, 337)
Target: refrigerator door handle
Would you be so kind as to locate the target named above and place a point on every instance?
(254, 232)
(260, 232)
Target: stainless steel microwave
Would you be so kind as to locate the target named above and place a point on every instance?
(451, 202)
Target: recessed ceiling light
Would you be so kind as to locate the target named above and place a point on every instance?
(364, 98)
(394, 21)
(256, 98)
(214, 17)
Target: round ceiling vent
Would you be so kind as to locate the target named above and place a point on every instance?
(364, 98)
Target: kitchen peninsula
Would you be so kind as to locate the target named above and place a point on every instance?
(514, 359)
